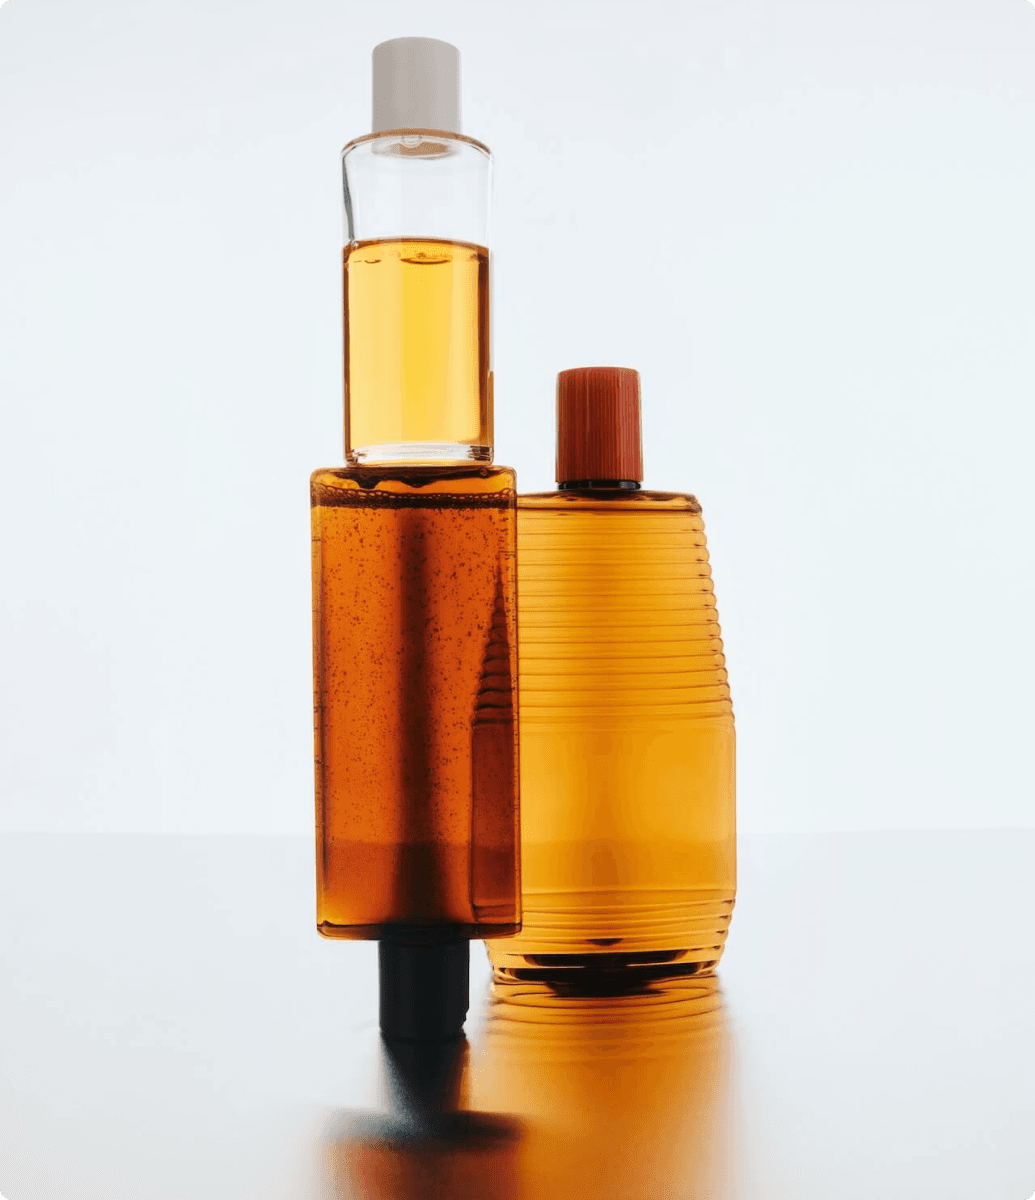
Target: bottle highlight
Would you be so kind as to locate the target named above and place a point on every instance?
(627, 738)
(414, 587)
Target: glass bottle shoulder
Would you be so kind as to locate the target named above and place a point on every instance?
(473, 479)
(608, 500)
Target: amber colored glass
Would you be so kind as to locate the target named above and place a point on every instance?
(417, 350)
(627, 741)
(619, 1097)
(415, 691)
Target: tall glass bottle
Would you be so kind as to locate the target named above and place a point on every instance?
(413, 564)
(627, 741)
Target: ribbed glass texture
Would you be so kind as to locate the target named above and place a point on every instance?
(627, 740)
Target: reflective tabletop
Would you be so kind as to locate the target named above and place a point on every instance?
(174, 1028)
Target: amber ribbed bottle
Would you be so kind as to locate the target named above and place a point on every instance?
(627, 740)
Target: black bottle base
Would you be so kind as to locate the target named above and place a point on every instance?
(424, 989)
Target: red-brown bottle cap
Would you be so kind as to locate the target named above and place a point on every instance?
(598, 424)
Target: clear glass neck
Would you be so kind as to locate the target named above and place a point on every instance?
(408, 183)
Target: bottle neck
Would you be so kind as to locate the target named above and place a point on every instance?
(602, 485)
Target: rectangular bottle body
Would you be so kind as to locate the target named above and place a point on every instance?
(627, 738)
(414, 634)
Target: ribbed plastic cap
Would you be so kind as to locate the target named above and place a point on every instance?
(598, 425)
(416, 85)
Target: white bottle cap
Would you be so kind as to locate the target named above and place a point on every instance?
(416, 85)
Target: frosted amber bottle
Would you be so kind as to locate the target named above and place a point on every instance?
(627, 740)
(414, 589)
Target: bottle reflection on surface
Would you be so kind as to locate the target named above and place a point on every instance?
(620, 1097)
(429, 1144)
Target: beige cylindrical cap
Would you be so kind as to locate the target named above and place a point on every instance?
(416, 85)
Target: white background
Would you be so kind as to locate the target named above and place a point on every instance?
(809, 223)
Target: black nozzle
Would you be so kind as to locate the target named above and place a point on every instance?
(425, 989)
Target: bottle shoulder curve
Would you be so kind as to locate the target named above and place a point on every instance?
(413, 477)
(607, 500)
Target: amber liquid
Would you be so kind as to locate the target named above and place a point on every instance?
(415, 691)
(627, 742)
(417, 345)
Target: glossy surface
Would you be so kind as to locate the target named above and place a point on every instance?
(873, 1038)
(415, 701)
(416, 343)
(627, 742)
(618, 1095)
